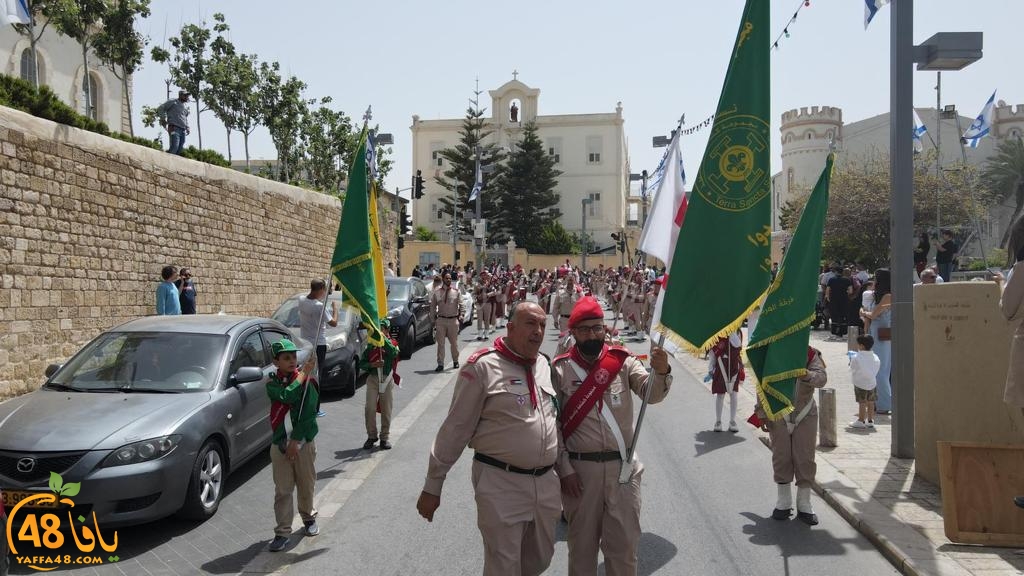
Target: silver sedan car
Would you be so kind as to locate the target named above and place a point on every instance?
(150, 417)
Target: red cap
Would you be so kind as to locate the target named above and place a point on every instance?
(587, 308)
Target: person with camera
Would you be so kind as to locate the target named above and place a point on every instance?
(946, 252)
(173, 116)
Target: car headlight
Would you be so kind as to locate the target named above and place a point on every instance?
(144, 451)
(394, 312)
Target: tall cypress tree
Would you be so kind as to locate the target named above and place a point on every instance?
(460, 174)
(527, 195)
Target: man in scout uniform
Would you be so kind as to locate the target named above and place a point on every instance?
(446, 311)
(484, 307)
(600, 487)
(504, 408)
(793, 438)
(564, 302)
(381, 366)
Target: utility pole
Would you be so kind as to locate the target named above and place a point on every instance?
(938, 151)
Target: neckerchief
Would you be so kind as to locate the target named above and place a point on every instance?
(278, 410)
(508, 354)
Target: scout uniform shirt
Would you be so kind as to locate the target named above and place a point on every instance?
(492, 412)
(593, 434)
(445, 304)
(287, 389)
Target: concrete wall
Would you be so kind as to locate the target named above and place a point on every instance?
(961, 351)
(87, 222)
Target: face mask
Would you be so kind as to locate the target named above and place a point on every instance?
(590, 347)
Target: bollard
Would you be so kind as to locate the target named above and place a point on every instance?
(827, 418)
(851, 338)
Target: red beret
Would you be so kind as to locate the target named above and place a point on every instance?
(586, 308)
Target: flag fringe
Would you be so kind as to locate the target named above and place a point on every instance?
(374, 335)
(765, 389)
(724, 332)
(787, 332)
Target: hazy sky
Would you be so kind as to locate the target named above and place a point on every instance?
(660, 59)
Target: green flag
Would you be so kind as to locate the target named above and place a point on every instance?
(721, 263)
(778, 346)
(353, 264)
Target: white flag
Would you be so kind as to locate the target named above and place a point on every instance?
(919, 130)
(982, 125)
(478, 185)
(14, 12)
(871, 7)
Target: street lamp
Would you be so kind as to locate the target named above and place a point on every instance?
(583, 241)
(943, 51)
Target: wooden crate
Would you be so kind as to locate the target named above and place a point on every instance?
(979, 482)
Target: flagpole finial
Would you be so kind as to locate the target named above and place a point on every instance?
(369, 114)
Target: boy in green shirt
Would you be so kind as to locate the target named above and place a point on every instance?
(380, 363)
(293, 453)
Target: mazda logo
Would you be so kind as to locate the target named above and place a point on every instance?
(26, 465)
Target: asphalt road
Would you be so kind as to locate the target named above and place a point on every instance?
(707, 498)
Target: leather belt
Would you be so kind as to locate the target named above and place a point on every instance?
(485, 459)
(565, 315)
(596, 456)
(449, 317)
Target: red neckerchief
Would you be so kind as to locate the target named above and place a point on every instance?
(278, 409)
(505, 352)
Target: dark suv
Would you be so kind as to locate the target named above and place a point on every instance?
(409, 313)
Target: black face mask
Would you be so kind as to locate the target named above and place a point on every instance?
(590, 347)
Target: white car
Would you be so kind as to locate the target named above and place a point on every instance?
(468, 306)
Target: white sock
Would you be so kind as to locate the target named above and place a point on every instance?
(803, 499)
(785, 501)
(732, 406)
(719, 404)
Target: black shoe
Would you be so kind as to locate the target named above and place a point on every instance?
(440, 368)
(385, 445)
(369, 443)
(809, 518)
(779, 514)
(1019, 501)
(455, 364)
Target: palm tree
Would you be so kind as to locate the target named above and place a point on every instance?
(1003, 176)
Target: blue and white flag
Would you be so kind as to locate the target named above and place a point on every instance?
(15, 12)
(981, 125)
(871, 7)
(919, 130)
(478, 186)
(371, 156)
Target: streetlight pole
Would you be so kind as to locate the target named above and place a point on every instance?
(455, 223)
(478, 239)
(583, 241)
(938, 152)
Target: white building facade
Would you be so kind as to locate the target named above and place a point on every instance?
(589, 150)
(807, 132)
(60, 67)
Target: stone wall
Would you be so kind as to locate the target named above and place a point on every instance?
(87, 222)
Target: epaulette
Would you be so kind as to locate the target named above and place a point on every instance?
(562, 356)
(476, 355)
(619, 350)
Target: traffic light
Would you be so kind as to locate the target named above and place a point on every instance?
(417, 185)
(401, 242)
(458, 255)
(404, 223)
(620, 241)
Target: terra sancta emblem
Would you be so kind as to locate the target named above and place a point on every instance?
(601, 376)
(739, 146)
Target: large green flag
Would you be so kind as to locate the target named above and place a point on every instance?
(722, 264)
(778, 347)
(353, 265)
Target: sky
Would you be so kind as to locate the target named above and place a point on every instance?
(661, 59)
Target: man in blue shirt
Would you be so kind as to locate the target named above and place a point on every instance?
(167, 299)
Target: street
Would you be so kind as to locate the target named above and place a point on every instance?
(707, 501)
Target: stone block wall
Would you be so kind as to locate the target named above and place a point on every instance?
(87, 222)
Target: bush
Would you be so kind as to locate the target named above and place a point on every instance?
(208, 156)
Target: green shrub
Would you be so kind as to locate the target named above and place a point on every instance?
(208, 156)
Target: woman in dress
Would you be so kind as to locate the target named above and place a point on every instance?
(879, 320)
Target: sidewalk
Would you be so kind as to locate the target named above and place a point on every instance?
(877, 493)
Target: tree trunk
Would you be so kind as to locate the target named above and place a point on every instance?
(86, 88)
(128, 101)
(248, 167)
(229, 143)
(35, 57)
(199, 127)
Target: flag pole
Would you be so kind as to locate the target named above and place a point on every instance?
(627, 466)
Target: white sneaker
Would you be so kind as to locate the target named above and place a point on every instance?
(858, 424)
(733, 427)
(718, 426)
(871, 424)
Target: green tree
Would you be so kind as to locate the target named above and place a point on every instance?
(188, 65)
(329, 141)
(424, 234)
(1003, 178)
(80, 20)
(120, 46)
(460, 175)
(555, 240)
(526, 195)
(232, 96)
(283, 110)
(36, 8)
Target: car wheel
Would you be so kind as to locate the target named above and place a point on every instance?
(348, 387)
(206, 484)
(407, 342)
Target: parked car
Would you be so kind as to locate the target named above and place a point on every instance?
(409, 313)
(150, 417)
(345, 342)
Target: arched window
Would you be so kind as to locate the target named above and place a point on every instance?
(1015, 133)
(809, 135)
(95, 97)
(28, 69)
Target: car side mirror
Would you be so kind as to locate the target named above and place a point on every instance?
(52, 369)
(247, 374)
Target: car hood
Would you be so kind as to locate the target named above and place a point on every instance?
(53, 421)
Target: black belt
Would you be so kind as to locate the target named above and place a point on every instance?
(565, 315)
(485, 459)
(448, 316)
(595, 456)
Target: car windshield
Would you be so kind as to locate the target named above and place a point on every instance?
(398, 293)
(144, 362)
(288, 314)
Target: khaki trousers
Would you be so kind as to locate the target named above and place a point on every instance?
(484, 316)
(447, 329)
(289, 476)
(605, 517)
(793, 454)
(370, 411)
(516, 515)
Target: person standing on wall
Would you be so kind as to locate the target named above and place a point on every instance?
(173, 116)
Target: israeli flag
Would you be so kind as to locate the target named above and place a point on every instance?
(478, 186)
(871, 7)
(371, 156)
(981, 125)
(919, 130)
(14, 12)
